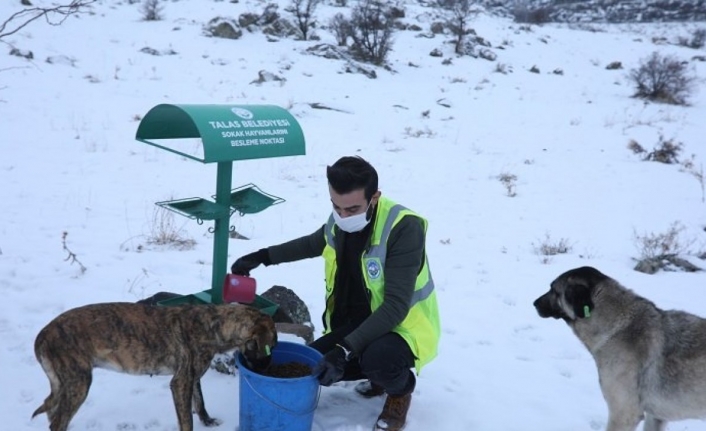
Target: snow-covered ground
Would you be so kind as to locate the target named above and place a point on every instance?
(441, 136)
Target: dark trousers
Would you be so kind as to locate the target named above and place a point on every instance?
(386, 361)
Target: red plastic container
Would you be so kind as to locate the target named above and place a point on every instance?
(239, 288)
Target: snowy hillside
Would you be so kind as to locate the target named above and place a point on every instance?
(506, 158)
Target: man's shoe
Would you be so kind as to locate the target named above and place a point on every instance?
(394, 414)
(369, 389)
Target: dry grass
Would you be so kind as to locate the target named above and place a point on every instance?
(164, 231)
(663, 244)
(549, 247)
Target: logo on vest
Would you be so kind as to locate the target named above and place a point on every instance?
(373, 269)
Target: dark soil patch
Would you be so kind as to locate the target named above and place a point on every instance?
(287, 370)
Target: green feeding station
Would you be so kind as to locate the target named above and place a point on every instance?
(227, 133)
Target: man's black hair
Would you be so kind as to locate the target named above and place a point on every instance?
(351, 173)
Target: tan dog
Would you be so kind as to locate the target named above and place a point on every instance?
(145, 339)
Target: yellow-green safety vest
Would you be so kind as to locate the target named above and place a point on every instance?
(421, 328)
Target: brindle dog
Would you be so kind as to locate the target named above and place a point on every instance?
(145, 339)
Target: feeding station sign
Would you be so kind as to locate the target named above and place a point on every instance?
(227, 133)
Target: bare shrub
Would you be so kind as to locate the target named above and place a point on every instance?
(164, 231)
(509, 181)
(548, 247)
(71, 257)
(501, 68)
(663, 79)
(635, 147)
(372, 26)
(689, 166)
(699, 175)
(658, 245)
(341, 28)
(419, 133)
(303, 11)
(698, 38)
(136, 286)
(662, 250)
(666, 151)
(697, 41)
(552, 247)
(152, 10)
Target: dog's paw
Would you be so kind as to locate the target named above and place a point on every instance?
(212, 422)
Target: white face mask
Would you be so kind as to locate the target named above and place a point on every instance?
(354, 223)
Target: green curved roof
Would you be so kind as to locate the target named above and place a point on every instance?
(227, 132)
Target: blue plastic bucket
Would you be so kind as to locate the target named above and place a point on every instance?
(279, 404)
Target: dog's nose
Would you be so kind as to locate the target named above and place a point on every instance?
(541, 304)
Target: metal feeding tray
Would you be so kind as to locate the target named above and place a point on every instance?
(249, 199)
(196, 208)
(194, 299)
(263, 304)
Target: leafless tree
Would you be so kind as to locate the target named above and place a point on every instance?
(460, 13)
(371, 31)
(303, 11)
(54, 15)
(341, 28)
(152, 10)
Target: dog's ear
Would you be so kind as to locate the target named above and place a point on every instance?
(579, 297)
(587, 274)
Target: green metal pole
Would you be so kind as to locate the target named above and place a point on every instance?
(224, 179)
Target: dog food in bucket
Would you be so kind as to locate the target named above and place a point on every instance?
(287, 370)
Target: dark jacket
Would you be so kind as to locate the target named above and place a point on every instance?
(405, 256)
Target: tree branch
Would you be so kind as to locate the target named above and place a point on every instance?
(53, 15)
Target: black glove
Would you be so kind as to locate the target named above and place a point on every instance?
(246, 263)
(331, 367)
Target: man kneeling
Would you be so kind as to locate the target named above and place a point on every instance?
(381, 316)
